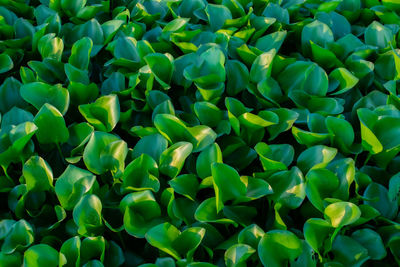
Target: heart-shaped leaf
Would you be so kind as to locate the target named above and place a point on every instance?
(342, 213)
(278, 246)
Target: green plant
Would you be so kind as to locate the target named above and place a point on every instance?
(198, 133)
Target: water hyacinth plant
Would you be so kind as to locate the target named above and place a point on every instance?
(194, 133)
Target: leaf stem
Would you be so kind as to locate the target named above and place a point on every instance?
(6, 173)
(335, 233)
(122, 240)
(368, 158)
(60, 152)
(388, 221)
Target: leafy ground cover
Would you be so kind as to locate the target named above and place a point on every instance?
(199, 134)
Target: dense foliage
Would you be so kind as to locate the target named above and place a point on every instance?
(192, 133)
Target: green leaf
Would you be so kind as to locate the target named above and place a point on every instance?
(165, 107)
(171, 128)
(87, 215)
(227, 184)
(317, 32)
(50, 46)
(6, 63)
(306, 258)
(208, 113)
(372, 241)
(238, 254)
(203, 136)
(38, 174)
(348, 251)
(81, 93)
(141, 212)
(320, 184)
(172, 159)
(288, 187)
(93, 247)
(79, 135)
(40, 254)
(186, 185)
(105, 152)
(152, 145)
(378, 198)
(270, 90)
(72, 184)
(275, 11)
(342, 213)
(72, 8)
(271, 41)
(342, 80)
(71, 250)
(162, 67)
(391, 4)
(12, 260)
(367, 121)
(275, 157)
(278, 246)
(342, 132)
(255, 188)
(19, 236)
(378, 35)
(169, 239)
(103, 114)
(17, 144)
(316, 232)
(394, 187)
(304, 76)
(286, 119)
(339, 25)
(207, 212)
(344, 169)
(251, 235)
(91, 29)
(217, 15)
(162, 236)
(49, 115)
(237, 76)
(387, 65)
(38, 94)
(316, 157)
(206, 158)
(141, 174)
(93, 263)
(189, 240)
(10, 95)
(263, 119)
(110, 29)
(175, 130)
(209, 69)
(262, 66)
(80, 53)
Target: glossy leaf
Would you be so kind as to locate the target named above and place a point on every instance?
(141, 174)
(105, 152)
(49, 115)
(342, 213)
(72, 184)
(141, 212)
(278, 246)
(38, 174)
(87, 215)
(172, 159)
(38, 93)
(41, 254)
(103, 114)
